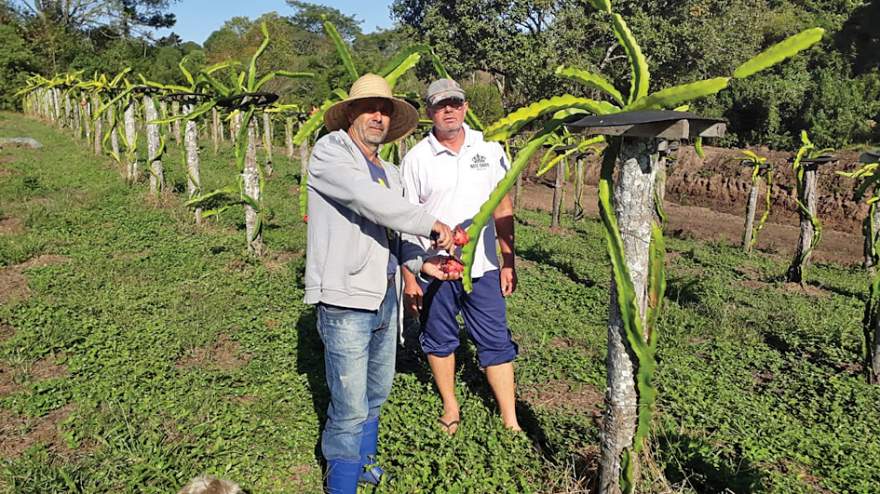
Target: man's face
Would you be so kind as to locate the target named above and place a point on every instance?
(370, 119)
(448, 114)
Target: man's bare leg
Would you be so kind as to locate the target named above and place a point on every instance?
(502, 382)
(444, 377)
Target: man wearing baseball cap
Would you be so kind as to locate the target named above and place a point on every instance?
(452, 172)
(353, 254)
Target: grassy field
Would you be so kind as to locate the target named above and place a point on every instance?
(138, 350)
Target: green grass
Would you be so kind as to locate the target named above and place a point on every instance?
(759, 388)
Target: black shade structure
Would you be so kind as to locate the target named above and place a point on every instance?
(813, 163)
(870, 156)
(664, 124)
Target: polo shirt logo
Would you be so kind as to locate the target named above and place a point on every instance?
(479, 162)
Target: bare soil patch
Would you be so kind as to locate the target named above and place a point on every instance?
(43, 261)
(6, 332)
(223, 354)
(11, 226)
(17, 433)
(49, 368)
(13, 284)
(277, 261)
(299, 474)
(7, 381)
(754, 284)
(565, 394)
(687, 221)
(809, 290)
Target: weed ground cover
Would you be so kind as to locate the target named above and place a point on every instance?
(138, 350)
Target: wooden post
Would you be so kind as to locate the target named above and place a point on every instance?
(114, 136)
(193, 165)
(56, 104)
(98, 130)
(267, 141)
(558, 194)
(288, 136)
(634, 209)
(304, 155)
(175, 126)
(402, 149)
(157, 172)
(163, 110)
(77, 119)
(639, 137)
(803, 252)
(133, 173)
(68, 111)
(215, 129)
(251, 178)
(578, 209)
(869, 261)
(750, 215)
(87, 117)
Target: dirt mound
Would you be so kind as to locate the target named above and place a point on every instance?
(721, 183)
(706, 199)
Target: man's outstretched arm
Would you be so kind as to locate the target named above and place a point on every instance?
(504, 229)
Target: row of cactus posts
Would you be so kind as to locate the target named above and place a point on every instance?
(111, 113)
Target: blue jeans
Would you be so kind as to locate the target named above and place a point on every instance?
(359, 349)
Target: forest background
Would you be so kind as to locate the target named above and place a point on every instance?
(504, 52)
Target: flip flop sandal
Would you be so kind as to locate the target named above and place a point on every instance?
(447, 426)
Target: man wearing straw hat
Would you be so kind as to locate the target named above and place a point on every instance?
(353, 255)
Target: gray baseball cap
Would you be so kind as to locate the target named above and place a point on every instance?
(442, 89)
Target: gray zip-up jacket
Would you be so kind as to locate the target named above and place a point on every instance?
(348, 245)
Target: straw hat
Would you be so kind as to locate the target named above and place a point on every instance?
(403, 121)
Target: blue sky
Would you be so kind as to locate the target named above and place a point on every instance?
(197, 19)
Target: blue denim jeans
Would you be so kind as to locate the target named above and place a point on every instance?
(359, 349)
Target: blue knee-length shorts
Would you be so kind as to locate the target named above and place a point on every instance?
(484, 314)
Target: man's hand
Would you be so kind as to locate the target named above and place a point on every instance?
(508, 281)
(412, 297)
(433, 266)
(442, 236)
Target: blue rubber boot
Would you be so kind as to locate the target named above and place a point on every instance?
(342, 476)
(370, 472)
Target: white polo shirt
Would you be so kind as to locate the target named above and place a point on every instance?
(453, 186)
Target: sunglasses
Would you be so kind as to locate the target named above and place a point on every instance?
(454, 103)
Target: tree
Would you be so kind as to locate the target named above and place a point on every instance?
(16, 61)
(310, 17)
(128, 15)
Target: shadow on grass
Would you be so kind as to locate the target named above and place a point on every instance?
(685, 291)
(695, 462)
(540, 255)
(310, 362)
